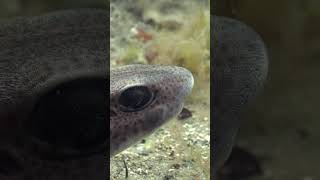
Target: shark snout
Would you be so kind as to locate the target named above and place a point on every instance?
(184, 82)
(188, 81)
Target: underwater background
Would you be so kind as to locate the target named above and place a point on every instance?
(281, 128)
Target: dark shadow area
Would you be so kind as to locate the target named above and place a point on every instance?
(281, 127)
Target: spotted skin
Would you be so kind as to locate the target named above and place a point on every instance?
(36, 54)
(241, 66)
(170, 85)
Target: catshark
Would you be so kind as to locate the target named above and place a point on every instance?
(240, 70)
(142, 98)
(53, 97)
(53, 101)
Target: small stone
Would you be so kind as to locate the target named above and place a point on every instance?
(184, 114)
(176, 166)
(168, 177)
(207, 137)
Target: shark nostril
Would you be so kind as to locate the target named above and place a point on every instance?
(9, 164)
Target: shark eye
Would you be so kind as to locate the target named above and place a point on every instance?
(72, 116)
(135, 98)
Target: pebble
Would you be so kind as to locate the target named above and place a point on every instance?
(184, 114)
